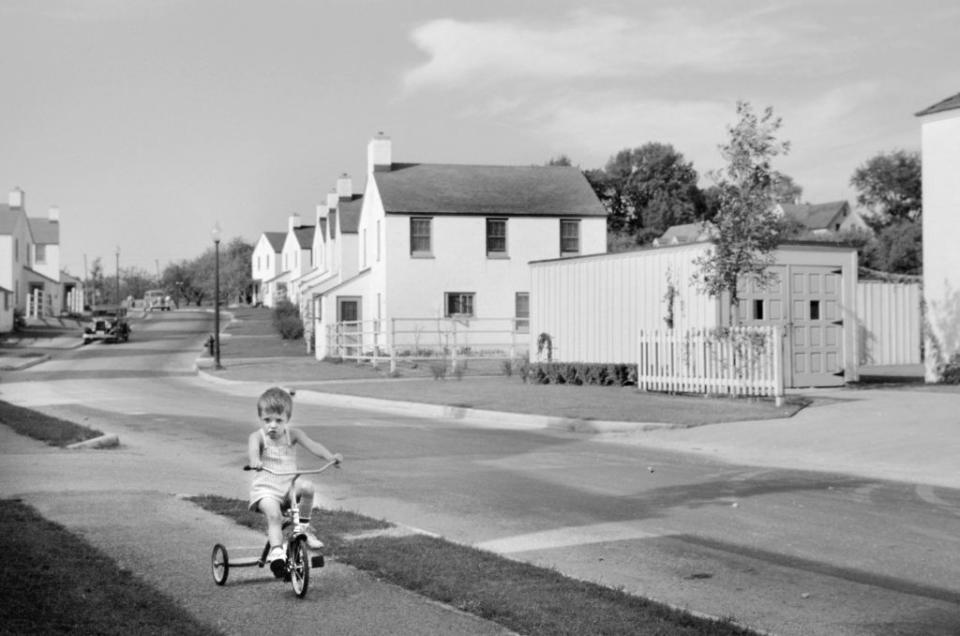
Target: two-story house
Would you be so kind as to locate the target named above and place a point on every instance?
(823, 218)
(334, 249)
(296, 256)
(265, 266)
(455, 241)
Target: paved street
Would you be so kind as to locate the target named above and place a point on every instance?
(780, 548)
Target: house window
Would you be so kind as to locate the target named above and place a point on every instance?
(420, 236)
(758, 309)
(522, 312)
(16, 249)
(458, 304)
(40, 253)
(496, 237)
(569, 236)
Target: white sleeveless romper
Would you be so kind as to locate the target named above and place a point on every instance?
(278, 455)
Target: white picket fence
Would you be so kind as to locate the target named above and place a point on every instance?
(744, 361)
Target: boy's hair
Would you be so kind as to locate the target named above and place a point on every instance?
(275, 401)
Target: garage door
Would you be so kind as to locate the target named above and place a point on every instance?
(805, 302)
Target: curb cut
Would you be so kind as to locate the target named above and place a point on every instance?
(104, 441)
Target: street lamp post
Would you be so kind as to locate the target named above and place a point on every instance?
(118, 283)
(216, 296)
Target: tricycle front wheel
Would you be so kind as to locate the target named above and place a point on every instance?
(219, 564)
(299, 566)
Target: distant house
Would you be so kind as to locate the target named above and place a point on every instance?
(823, 218)
(686, 233)
(940, 134)
(297, 256)
(265, 265)
(449, 241)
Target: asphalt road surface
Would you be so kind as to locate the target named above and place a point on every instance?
(788, 552)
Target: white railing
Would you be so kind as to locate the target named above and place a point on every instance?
(417, 339)
(743, 361)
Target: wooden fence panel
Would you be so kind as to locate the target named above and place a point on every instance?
(737, 361)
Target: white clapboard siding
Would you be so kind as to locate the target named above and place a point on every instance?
(889, 324)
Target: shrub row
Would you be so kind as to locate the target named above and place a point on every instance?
(580, 373)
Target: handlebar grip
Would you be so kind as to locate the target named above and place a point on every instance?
(248, 467)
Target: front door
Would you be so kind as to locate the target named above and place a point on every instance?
(349, 321)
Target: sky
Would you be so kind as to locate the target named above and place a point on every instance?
(147, 122)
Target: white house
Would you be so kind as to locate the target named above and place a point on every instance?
(824, 218)
(296, 256)
(265, 265)
(15, 251)
(334, 250)
(594, 308)
(455, 241)
(940, 135)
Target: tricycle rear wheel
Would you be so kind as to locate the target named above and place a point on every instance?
(219, 564)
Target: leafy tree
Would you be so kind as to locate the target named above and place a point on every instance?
(897, 248)
(785, 189)
(560, 160)
(134, 281)
(96, 282)
(889, 185)
(646, 190)
(748, 229)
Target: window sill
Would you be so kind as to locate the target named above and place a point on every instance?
(569, 254)
(497, 256)
(422, 255)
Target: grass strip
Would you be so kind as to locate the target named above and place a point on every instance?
(52, 581)
(524, 598)
(46, 428)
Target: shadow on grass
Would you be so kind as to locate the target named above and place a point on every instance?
(45, 428)
(53, 582)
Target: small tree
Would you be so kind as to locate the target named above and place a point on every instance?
(748, 229)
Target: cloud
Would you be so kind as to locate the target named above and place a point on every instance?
(585, 45)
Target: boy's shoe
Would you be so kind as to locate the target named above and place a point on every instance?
(277, 560)
(312, 541)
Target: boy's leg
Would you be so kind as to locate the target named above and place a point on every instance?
(305, 497)
(271, 510)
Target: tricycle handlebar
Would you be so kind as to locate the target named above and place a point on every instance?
(311, 471)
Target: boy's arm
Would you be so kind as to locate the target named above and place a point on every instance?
(253, 450)
(314, 447)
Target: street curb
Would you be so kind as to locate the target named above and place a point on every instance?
(28, 362)
(475, 417)
(104, 441)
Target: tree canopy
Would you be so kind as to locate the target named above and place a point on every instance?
(889, 185)
(748, 228)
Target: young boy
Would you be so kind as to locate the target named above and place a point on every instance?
(273, 446)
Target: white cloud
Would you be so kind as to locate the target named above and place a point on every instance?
(590, 46)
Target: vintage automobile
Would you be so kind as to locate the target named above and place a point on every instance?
(107, 324)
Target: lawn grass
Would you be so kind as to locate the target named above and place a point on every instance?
(46, 428)
(52, 581)
(524, 598)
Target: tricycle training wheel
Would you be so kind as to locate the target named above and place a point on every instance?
(219, 564)
(299, 566)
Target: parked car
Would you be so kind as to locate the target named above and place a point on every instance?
(157, 299)
(108, 325)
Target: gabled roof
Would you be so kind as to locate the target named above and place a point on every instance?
(820, 216)
(304, 235)
(45, 231)
(949, 103)
(686, 233)
(275, 239)
(8, 218)
(349, 212)
(502, 190)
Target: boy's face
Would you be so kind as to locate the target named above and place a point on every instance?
(273, 424)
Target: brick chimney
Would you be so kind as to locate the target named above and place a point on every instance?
(16, 199)
(379, 154)
(345, 187)
(294, 222)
